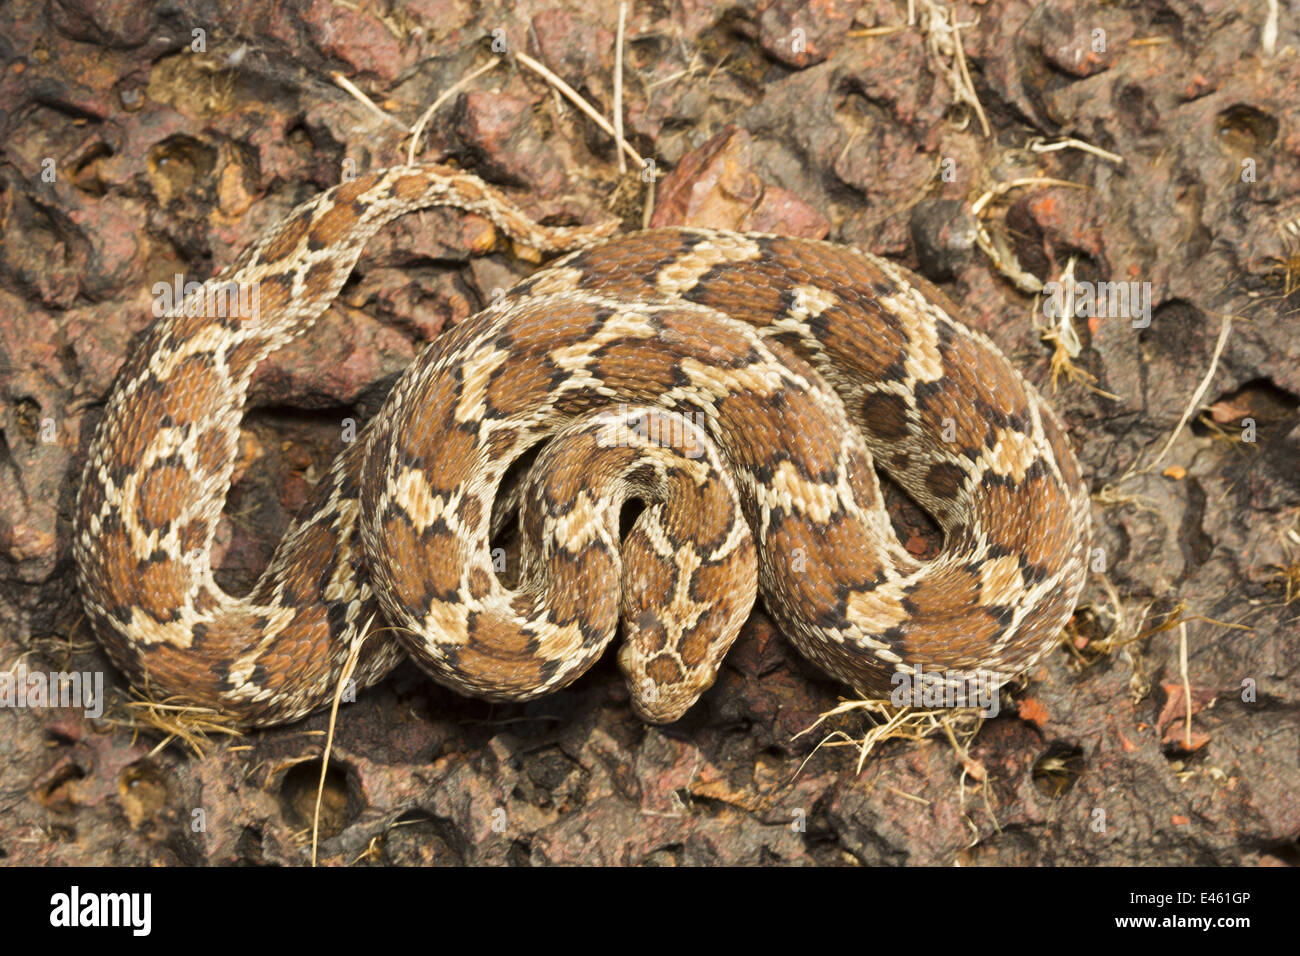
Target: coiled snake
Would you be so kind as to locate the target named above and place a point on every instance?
(742, 386)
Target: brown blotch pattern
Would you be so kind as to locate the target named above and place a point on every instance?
(480, 583)
(334, 225)
(519, 384)
(161, 494)
(855, 340)
(449, 459)
(584, 591)
(194, 390)
(944, 480)
(286, 240)
(318, 278)
(885, 416)
(160, 588)
(645, 370)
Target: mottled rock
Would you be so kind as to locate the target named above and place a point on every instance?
(717, 187)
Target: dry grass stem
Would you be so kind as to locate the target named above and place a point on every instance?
(345, 675)
(351, 88)
(894, 723)
(1192, 405)
(447, 94)
(176, 720)
(942, 33)
(618, 88)
(1040, 145)
(573, 97)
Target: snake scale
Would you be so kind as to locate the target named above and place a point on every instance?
(743, 387)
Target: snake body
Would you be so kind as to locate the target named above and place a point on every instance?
(743, 387)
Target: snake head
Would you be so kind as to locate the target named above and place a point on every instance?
(674, 644)
(662, 690)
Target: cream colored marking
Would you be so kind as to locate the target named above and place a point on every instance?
(653, 530)
(874, 610)
(793, 493)
(684, 611)
(681, 276)
(562, 280)
(722, 382)
(149, 631)
(582, 525)
(1011, 455)
(1000, 581)
(241, 671)
(165, 363)
(923, 362)
(413, 495)
(811, 301)
(476, 373)
(445, 622)
(559, 643)
(624, 324)
(736, 537)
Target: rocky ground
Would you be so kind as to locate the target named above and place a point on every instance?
(141, 141)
